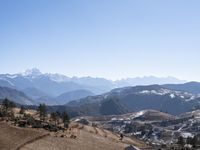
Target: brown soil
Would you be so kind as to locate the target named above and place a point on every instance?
(77, 137)
(13, 137)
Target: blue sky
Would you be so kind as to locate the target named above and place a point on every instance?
(101, 38)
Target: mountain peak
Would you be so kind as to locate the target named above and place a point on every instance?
(31, 72)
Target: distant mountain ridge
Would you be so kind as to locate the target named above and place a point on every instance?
(137, 98)
(148, 80)
(192, 87)
(73, 95)
(117, 101)
(56, 89)
(56, 84)
(15, 95)
(20, 97)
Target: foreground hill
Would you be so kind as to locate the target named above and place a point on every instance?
(129, 99)
(13, 137)
(77, 137)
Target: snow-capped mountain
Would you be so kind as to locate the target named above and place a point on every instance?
(37, 85)
(148, 80)
(56, 84)
(52, 84)
(31, 72)
(156, 90)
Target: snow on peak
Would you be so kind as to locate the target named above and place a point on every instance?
(58, 77)
(31, 72)
(172, 95)
(157, 92)
(34, 73)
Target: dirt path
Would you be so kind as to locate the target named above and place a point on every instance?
(86, 138)
(77, 137)
(95, 130)
(12, 137)
(32, 141)
(102, 132)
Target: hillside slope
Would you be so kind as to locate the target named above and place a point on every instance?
(192, 87)
(13, 137)
(77, 137)
(73, 95)
(129, 99)
(15, 96)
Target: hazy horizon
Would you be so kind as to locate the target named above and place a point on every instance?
(109, 39)
(99, 74)
(23, 72)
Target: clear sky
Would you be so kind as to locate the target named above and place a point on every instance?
(101, 38)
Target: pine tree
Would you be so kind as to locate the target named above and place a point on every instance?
(42, 110)
(55, 116)
(22, 110)
(181, 141)
(7, 105)
(65, 119)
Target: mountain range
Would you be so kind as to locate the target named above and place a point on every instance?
(99, 96)
(15, 95)
(129, 99)
(34, 83)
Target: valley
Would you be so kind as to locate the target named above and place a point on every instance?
(99, 75)
(148, 116)
(158, 129)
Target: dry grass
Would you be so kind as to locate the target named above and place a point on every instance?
(77, 137)
(86, 138)
(12, 137)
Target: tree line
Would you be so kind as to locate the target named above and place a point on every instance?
(55, 118)
(194, 141)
